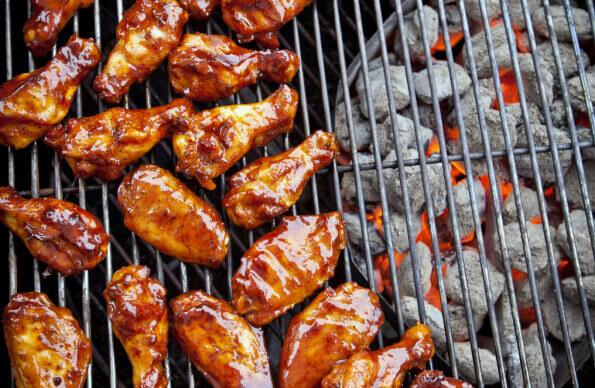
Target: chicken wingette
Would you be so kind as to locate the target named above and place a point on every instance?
(436, 379)
(199, 9)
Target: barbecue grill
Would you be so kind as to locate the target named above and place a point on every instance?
(334, 40)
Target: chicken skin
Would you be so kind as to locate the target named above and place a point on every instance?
(137, 308)
(221, 344)
(48, 18)
(199, 9)
(212, 67)
(212, 141)
(287, 265)
(104, 145)
(46, 345)
(384, 368)
(147, 33)
(32, 103)
(165, 213)
(436, 379)
(260, 19)
(337, 324)
(66, 237)
(269, 186)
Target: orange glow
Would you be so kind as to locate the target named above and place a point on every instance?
(565, 268)
(432, 296)
(510, 92)
(522, 41)
(383, 270)
(452, 134)
(518, 276)
(505, 190)
(468, 238)
(457, 171)
(535, 220)
(433, 147)
(424, 235)
(440, 45)
(527, 316)
(496, 21)
(376, 217)
(550, 192)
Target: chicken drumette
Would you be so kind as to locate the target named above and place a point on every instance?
(287, 265)
(48, 18)
(103, 145)
(165, 213)
(137, 308)
(436, 379)
(32, 103)
(199, 9)
(147, 33)
(212, 141)
(269, 186)
(212, 67)
(46, 345)
(66, 237)
(221, 344)
(337, 324)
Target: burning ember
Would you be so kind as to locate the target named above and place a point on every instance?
(440, 45)
(510, 92)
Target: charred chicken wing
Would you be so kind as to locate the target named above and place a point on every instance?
(385, 367)
(66, 237)
(337, 324)
(48, 18)
(221, 344)
(32, 103)
(46, 345)
(212, 141)
(436, 379)
(165, 213)
(269, 186)
(287, 265)
(212, 67)
(137, 307)
(147, 33)
(103, 145)
(199, 9)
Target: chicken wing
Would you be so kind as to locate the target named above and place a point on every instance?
(66, 237)
(46, 345)
(168, 215)
(221, 344)
(287, 265)
(48, 18)
(436, 379)
(386, 367)
(269, 186)
(337, 324)
(260, 19)
(103, 145)
(212, 67)
(32, 103)
(199, 9)
(212, 141)
(137, 308)
(147, 33)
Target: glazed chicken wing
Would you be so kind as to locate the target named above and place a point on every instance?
(46, 345)
(48, 18)
(221, 344)
(66, 237)
(168, 215)
(436, 379)
(269, 186)
(199, 9)
(337, 324)
(137, 308)
(32, 103)
(287, 265)
(384, 368)
(212, 141)
(104, 144)
(147, 33)
(212, 67)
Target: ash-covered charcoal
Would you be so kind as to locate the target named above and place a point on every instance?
(359, 259)
(398, 229)
(414, 184)
(474, 12)
(354, 233)
(453, 17)
(531, 83)
(515, 10)
(551, 319)
(506, 332)
(361, 127)
(582, 23)
(582, 241)
(480, 168)
(543, 283)
(534, 357)
(426, 116)
(425, 267)
(463, 206)
(379, 94)
(569, 62)
(406, 131)
(433, 319)
(573, 187)
(514, 246)
(480, 50)
(376, 63)
(414, 37)
(443, 85)
(575, 90)
(458, 321)
(584, 135)
(489, 365)
(369, 181)
(530, 206)
(535, 114)
(571, 290)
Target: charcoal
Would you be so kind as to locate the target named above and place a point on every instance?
(571, 290)
(425, 268)
(582, 23)
(575, 90)
(551, 319)
(369, 182)
(361, 127)
(530, 206)
(433, 319)
(458, 321)
(358, 258)
(584, 135)
(569, 62)
(573, 187)
(414, 37)
(506, 332)
(480, 50)
(531, 83)
(414, 184)
(398, 229)
(480, 168)
(534, 357)
(535, 114)
(514, 246)
(474, 12)
(463, 206)
(407, 132)
(582, 241)
(453, 17)
(379, 94)
(354, 233)
(515, 10)
(425, 113)
(443, 85)
(377, 62)
(558, 114)
(489, 365)
(543, 283)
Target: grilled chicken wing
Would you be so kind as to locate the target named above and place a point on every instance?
(48, 18)
(137, 307)
(105, 144)
(385, 367)
(32, 103)
(436, 379)
(168, 215)
(46, 345)
(221, 344)
(212, 67)
(147, 33)
(337, 324)
(212, 141)
(199, 9)
(287, 265)
(66, 237)
(269, 186)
